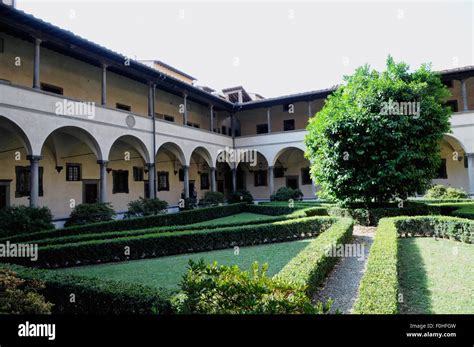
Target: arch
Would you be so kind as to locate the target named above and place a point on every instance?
(283, 150)
(15, 129)
(454, 142)
(203, 153)
(174, 149)
(81, 135)
(135, 143)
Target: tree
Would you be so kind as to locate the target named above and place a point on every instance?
(378, 135)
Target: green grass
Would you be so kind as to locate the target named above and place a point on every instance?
(167, 272)
(436, 276)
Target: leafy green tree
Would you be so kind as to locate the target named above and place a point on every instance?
(377, 138)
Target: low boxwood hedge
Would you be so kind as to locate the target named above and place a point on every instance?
(169, 219)
(436, 226)
(378, 290)
(371, 216)
(169, 243)
(464, 212)
(311, 266)
(95, 296)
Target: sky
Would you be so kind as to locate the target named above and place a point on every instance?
(272, 48)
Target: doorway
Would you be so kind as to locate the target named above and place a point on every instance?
(292, 182)
(90, 191)
(4, 193)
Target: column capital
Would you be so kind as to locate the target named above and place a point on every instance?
(149, 165)
(270, 167)
(102, 162)
(34, 157)
(104, 66)
(185, 167)
(38, 41)
(212, 168)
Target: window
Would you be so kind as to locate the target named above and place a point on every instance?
(137, 174)
(120, 181)
(262, 128)
(123, 107)
(168, 118)
(163, 181)
(305, 176)
(181, 175)
(260, 178)
(278, 172)
(287, 107)
(204, 181)
(23, 181)
(224, 130)
(194, 125)
(51, 89)
(288, 124)
(73, 172)
(292, 182)
(453, 104)
(442, 171)
(466, 162)
(2, 46)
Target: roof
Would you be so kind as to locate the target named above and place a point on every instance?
(172, 68)
(458, 72)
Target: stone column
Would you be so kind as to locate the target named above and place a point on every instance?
(464, 95)
(271, 185)
(234, 179)
(211, 115)
(104, 86)
(213, 179)
(269, 120)
(34, 179)
(186, 181)
(470, 172)
(310, 112)
(185, 114)
(103, 180)
(151, 105)
(151, 180)
(36, 65)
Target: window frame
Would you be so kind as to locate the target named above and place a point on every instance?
(166, 174)
(116, 187)
(79, 173)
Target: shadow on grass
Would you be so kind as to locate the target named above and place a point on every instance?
(412, 279)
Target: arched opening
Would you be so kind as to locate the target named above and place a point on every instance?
(68, 170)
(170, 173)
(252, 174)
(200, 172)
(291, 169)
(15, 147)
(128, 171)
(454, 164)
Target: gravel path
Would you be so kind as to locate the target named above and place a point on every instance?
(342, 284)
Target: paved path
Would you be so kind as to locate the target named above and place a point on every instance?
(342, 284)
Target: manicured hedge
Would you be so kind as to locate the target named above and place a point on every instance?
(438, 226)
(96, 296)
(378, 290)
(456, 208)
(441, 201)
(276, 210)
(464, 212)
(311, 266)
(169, 219)
(371, 216)
(120, 234)
(163, 244)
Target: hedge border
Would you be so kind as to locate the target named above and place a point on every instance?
(311, 266)
(94, 295)
(165, 244)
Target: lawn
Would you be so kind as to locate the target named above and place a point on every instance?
(436, 276)
(167, 272)
(240, 217)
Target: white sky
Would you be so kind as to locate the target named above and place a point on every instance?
(272, 48)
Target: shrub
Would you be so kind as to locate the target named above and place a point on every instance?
(146, 207)
(372, 215)
(90, 213)
(364, 147)
(164, 244)
(18, 296)
(269, 210)
(213, 199)
(16, 220)
(378, 289)
(311, 266)
(445, 193)
(168, 219)
(437, 226)
(187, 204)
(241, 196)
(286, 194)
(96, 296)
(214, 289)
